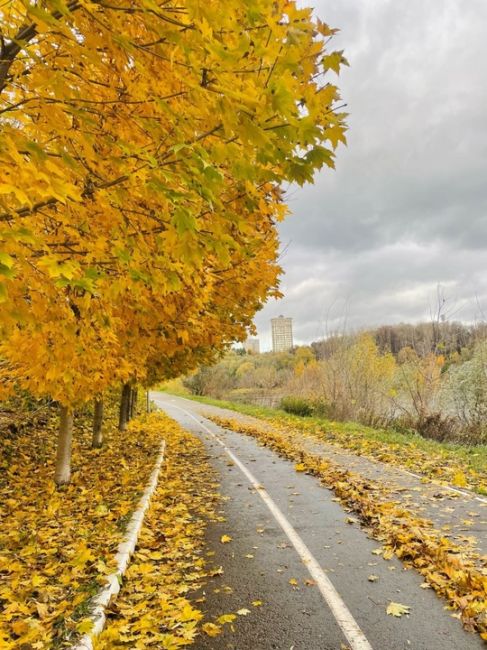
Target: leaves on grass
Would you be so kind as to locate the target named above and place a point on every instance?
(459, 480)
(85, 626)
(440, 464)
(152, 609)
(57, 550)
(450, 570)
(57, 546)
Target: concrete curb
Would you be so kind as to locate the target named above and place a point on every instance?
(122, 558)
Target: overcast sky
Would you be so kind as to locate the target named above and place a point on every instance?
(406, 208)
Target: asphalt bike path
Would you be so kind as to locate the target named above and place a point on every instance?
(297, 565)
(460, 514)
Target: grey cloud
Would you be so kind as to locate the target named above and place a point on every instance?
(406, 208)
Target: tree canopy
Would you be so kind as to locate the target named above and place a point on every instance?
(143, 153)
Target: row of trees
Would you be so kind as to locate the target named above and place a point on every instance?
(443, 337)
(443, 396)
(142, 151)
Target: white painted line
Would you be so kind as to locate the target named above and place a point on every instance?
(466, 493)
(124, 551)
(470, 495)
(350, 628)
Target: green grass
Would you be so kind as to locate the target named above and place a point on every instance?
(473, 458)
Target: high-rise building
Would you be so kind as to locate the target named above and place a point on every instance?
(282, 334)
(252, 346)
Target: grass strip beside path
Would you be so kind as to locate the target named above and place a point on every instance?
(152, 609)
(57, 544)
(456, 465)
(448, 569)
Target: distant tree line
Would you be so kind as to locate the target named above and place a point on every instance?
(430, 378)
(424, 338)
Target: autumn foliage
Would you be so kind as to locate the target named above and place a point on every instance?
(56, 549)
(143, 149)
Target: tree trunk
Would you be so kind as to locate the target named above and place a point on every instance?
(133, 403)
(124, 404)
(97, 438)
(148, 401)
(129, 405)
(62, 474)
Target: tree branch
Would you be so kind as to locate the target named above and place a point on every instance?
(25, 34)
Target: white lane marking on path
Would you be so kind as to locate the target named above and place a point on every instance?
(464, 493)
(340, 611)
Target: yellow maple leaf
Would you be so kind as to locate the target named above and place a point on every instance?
(459, 480)
(396, 609)
(243, 612)
(19, 627)
(85, 626)
(210, 629)
(225, 539)
(42, 610)
(83, 555)
(226, 618)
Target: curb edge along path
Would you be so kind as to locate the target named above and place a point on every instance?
(122, 558)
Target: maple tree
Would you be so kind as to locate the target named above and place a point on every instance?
(141, 157)
(57, 549)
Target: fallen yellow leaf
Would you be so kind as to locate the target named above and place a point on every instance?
(396, 609)
(85, 626)
(226, 618)
(459, 480)
(210, 629)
